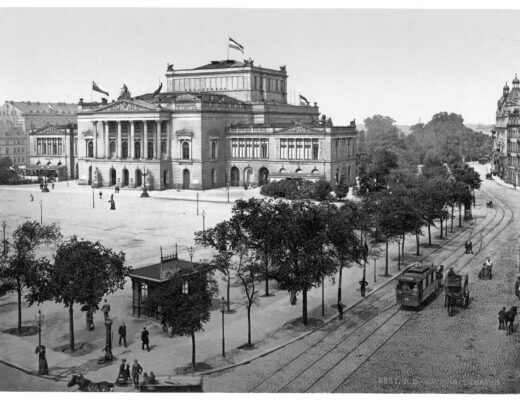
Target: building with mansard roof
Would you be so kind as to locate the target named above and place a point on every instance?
(227, 122)
(506, 147)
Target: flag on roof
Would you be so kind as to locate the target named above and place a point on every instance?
(304, 99)
(99, 89)
(235, 45)
(158, 90)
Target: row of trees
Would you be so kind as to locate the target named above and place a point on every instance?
(80, 272)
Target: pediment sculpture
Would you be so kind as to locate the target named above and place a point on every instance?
(125, 93)
(184, 132)
(125, 106)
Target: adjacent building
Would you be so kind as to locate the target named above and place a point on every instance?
(506, 148)
(13, 144)
(227, 122)
(53, 152)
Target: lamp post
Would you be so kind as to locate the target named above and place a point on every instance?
(191, 251)
(399, 255)
(222, 309)
(40, 318)
(4, 225)
(375, 279)
(197, 196)
(227, 184)
(145, 174)
(203, 220)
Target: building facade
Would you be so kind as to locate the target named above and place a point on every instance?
(53, 151)
(506, 147)
(227, 122)
(13, 144)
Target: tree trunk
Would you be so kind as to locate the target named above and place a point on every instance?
(266, 269)
(429, 234)
(386, 258)
(452, 216)
(417, 253)
(304, 306)
(249, 325)
(442, 227)
(71, 326)
(19, 291)
(340, 278)
(193, 350)
(228, 286)
(460, 215)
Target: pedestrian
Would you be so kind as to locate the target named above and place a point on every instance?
(152, 378)
(127, 373)
(112, 204)
(120, 380)
(43, 367)
(362, 287)
(100, 194)
(136, 371)
(502, 319)
(122, 334)
(293, 297)
(106, 309)
(52, 186)
(145, 339)
(32, 197)
(112, 196)
(470, 247)
(466, 246)
(340, 309)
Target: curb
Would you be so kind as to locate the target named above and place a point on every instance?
(48, 376)
(329, 320)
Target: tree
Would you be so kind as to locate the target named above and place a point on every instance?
(185, 302)
(300, 259)
(248, 271)
(21, 268)
(224, 238)
(82, 272)
(345, 246)
(254, 218)
(7, 172)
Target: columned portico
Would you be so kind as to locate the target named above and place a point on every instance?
(119, 141)
(132, 141)
(144, 144)
(107, 139)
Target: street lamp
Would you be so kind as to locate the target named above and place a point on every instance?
(203, 220)
(191, 251)
(4, 225)
(145, 174)
(43, 369)
(40, 318)
(222, 309)
(197, 196)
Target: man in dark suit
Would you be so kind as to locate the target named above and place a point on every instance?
(145, 339)
(122, 334)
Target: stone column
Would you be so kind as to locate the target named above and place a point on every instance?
(119, 141)
(168, 141)
(158, 140)
(144, 145)
(131, 155)
(107, 140)
(95, 139)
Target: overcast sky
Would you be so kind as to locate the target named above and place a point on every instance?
(408, 65)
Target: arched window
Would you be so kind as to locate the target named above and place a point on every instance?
(185, 151)
(150, 149)
(163, 148)
(124, 149)
(90, 148)
(137, 149)
(112, 149)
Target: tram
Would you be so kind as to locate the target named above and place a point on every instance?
(416, 285)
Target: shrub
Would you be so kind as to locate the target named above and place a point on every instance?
(341, 191)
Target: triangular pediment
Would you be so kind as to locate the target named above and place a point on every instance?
(128, 106)
(300, 129)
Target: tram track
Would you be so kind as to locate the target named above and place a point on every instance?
(352, 347)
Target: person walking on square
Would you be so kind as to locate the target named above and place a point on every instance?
(32, 197)
(121, 377)
(136, 371)
(112, 204)
(106, 309)
(145, 339)
(122, 334)
(470, 247)
(101, 195)
(502, 319)
(340, 309)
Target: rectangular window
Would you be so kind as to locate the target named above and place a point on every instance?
(348, 147)
(249, 148)
(264, 149)
(214, 148)
(234, 148)
(299, 149)
(39, 150)
(307, 149)
(290, 148)
(241, 148)
(315, 149)
(256, 148)
(60, 146)
(283, 148)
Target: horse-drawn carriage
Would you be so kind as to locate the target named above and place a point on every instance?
(489, 204)
(489, 176)
(486, 271)
(456, 291)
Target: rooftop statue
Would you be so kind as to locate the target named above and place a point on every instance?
(169, 67)
(125, 94)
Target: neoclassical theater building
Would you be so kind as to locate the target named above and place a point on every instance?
(227, 122)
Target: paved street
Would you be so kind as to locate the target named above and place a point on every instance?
(12, 379)
(419, 351)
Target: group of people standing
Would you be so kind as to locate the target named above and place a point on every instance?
(469, 247)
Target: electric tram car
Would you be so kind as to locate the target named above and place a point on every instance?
(416, 285)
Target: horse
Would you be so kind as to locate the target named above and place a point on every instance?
(509, 318)
(88, 386)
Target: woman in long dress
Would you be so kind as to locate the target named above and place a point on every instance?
(43, 367)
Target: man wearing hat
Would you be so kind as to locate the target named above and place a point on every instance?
(136, 371)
